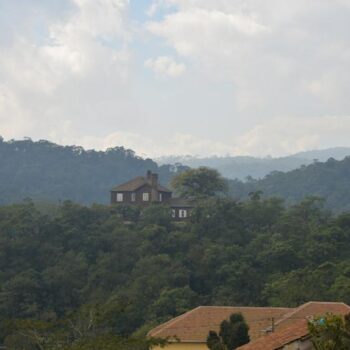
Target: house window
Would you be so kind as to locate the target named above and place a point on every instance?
(173, 213)
(160, 197)
(182, 213)
(133, 197)
(120, 197)
(145, 197)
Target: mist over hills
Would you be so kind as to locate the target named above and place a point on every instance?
(241, 167)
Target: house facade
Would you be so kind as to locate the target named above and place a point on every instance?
(143, 191)
(269, 328)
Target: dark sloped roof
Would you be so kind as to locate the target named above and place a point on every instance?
(135, 184)
(181, 203)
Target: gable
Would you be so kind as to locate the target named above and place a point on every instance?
(135, 184)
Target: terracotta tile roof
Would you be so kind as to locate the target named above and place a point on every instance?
(312, 308)
(290, 323)
(135, 184)
(293, 325)
(194, 326)
(274, 341)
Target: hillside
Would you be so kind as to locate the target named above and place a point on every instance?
(329, 180)
(242, 167)
(144, 273)
(46, 171)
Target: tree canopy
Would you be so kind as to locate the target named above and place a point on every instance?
(233, 334)
(199, 183)
(329, 180)
(330, 332)
(56, 260)
(48, 172)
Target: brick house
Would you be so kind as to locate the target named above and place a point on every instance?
(143, 191)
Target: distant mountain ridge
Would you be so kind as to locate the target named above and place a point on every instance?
(241, 167)
(45, 171)
(329, 180)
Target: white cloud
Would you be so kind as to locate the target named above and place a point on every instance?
(155, 6)
(165, 66)
(68, 79)
(177, 144)
(279, 136)
(199, 30)
(282, 136)
(76, 75)
(266, 48)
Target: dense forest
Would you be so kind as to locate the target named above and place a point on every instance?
(45, 171)
(329, 180)
(146, 269)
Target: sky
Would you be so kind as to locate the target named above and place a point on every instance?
(177, 77)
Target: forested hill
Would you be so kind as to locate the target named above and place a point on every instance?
(256, 253)
(46, 171)
(329, 180)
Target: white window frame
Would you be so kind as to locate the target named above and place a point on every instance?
(183, 213)
(145, 197)
(120, 197)
(133, 197)
(160, 197)
(173, 213)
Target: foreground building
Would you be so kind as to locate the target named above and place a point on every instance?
(294, 337)
(270, 328)
(143, 191)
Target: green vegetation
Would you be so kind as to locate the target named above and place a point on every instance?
(233, 334)
(144, 269)
(45, 171)
(199, 183)
(330, 332)
(91, 327)
(329, 180)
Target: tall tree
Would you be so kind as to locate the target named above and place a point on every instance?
(233, 334)
(330, 332)
(199, 183)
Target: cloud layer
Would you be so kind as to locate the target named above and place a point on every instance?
(186, 77)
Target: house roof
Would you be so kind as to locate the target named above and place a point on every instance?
(181, 203)
(194, 326)
(293, 325)
(135, 184)
(276, 340)
(312, 309)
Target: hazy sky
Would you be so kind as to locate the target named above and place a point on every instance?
(203, 77)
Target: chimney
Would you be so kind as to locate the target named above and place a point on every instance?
(153, 181)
